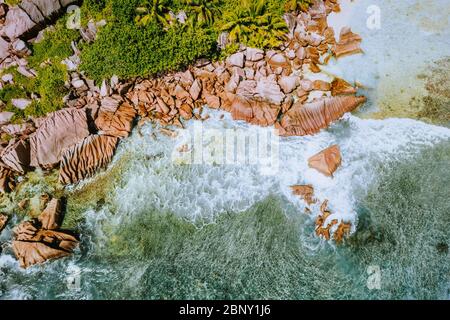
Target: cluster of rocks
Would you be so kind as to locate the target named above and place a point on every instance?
(41, 239)
(264, 88)
(326, 162)
(21, 23)
(261, 87)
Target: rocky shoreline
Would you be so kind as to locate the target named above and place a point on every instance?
(277, 88)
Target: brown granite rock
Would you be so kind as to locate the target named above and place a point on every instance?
(42, 245)
(323, 229)
(256, 112)
(59, 130)
(342, 232)
(5, 180)
(310, 118)
(18, 23)
(26, 20)
(39, 240)
(288, 83)
(267, 89)
(195, 89)
(118, 123)
(326, 161)
(349, 43)
(51, 217)
(254, 55)
(341, 87)
(3, 221)
(16, 155)
(84, 159)
(306, 192)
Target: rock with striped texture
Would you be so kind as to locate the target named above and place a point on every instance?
(5, 179)
(118, 123)
(310, 118)
(256, 112)
(16, 156)
(84, 159)
(59, 130)
(3, 221)
(51, 217)
(35, 246)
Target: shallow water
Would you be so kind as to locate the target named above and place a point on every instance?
(174, 229)
(160, 238)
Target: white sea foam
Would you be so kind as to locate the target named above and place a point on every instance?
(154, 180)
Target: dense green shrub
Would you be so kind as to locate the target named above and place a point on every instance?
(128, 51)
(55, 46)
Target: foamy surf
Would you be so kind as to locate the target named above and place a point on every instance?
(199, 192)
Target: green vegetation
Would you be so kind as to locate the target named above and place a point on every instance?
(255, 25)
(144, 38)
(297, 5)
(46, 59)
(153, 10)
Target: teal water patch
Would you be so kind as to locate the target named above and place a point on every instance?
(404, 228)
(257, 254)
(266, 252)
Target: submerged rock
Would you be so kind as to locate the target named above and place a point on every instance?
(326, 161)
(306, 192)
(5, 180)
(39, 240)
(51, 217)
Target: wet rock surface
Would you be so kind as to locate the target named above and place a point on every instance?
(39, 240)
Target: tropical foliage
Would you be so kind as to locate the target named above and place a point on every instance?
(153, 10)
(143, 38)
(202, 12)
(254, 25)
(297, 5)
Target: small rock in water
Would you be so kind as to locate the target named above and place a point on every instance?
(327, 161)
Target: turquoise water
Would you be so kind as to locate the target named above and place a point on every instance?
(268, 251)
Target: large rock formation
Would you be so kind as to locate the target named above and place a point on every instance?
(117, 123)
(30, 16)
(310, 118)
(39, 240)
(84, 159)
(59, 130)
(16, 156)
(326, 161)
